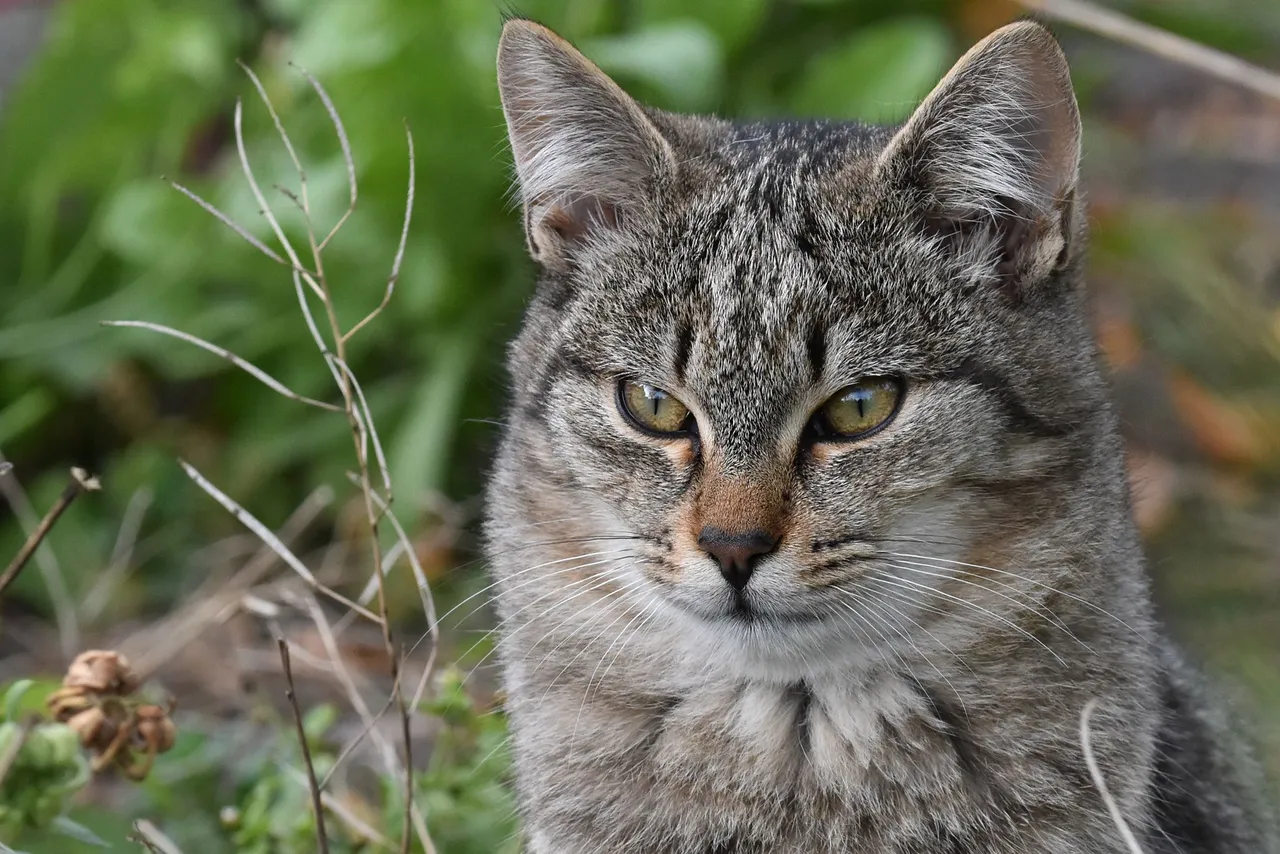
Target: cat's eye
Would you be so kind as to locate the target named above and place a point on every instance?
(653, 409)
(860, 409)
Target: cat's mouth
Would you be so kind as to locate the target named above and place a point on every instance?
(747, 610)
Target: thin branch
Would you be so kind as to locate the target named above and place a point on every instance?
(145, 649)
(346, 153)
(305, 306)
(230, 223)
(384, 470)
(249, 238)
(155, 840)
(64, 608)
(1100, 782)
(404, 240)
(79, 483)
(355, 742)
(275, 118)
(263, 207)
(264, 533)
(321, 839)
(406, 737)
(424, 593)
(254, 371)
(344, 813)
(1113, 25)
(389, 759)
(370, 589)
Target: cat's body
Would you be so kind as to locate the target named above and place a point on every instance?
(746, 634)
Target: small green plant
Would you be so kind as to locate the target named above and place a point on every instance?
(274, 816)
(466, 789)
(42, 765)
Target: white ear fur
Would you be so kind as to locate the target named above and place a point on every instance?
(998, 139)
(584, 150)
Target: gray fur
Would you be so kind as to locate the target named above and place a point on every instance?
(947, 594)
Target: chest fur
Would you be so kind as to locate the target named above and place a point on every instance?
(876, 766)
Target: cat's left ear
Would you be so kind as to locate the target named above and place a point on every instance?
(995, 148)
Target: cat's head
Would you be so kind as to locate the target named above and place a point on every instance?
(781, 383)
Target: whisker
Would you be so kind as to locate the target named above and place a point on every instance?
(599, 583)
(1032, 604)
(927, 589)
(507, 578)
(1047, 587)
(915, 624)
(585, 647)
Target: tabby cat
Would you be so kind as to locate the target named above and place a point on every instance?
(809, 528)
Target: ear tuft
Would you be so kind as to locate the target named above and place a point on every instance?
(996, 147)
(585, 152)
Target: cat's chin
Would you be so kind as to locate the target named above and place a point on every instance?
(771, 645)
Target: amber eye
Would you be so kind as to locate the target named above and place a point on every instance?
(653, 409)
(860, 409)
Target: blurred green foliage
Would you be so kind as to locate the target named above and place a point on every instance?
(127, 91)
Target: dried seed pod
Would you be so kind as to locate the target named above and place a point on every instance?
(93, 727)
(103, 672)
(68, 702)
(155, 728)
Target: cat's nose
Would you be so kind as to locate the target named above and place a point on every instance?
(736, 552)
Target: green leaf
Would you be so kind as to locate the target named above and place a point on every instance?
(879, 75)
(317, 721)
(345, 35)
(731, 21)
(64, 826)
(13, 698)
(681, 60)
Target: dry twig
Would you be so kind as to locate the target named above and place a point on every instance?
(1121, 28)
(64, 608)
(314, 281)
(251, 522)
(154, 839)
(250, 369)
(322, 839)
(79, 483)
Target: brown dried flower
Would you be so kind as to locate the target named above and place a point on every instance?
(101, 671)
(96, 700)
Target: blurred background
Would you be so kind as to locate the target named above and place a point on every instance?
(100, 98)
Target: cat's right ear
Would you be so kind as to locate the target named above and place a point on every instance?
(585, 152)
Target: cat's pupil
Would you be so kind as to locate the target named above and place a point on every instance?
(861, 397)
(655, 398)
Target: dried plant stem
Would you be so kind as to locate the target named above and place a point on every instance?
(146, 650)
(1121, 28)
(361, 422)
(330, 643)
(264, 533)
(80, 482)
(354, 406)
(344, 814)
(322, 839)
(404, 241)
(154, 839)
(1100, 782)
(64, 608)
(254, 371)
